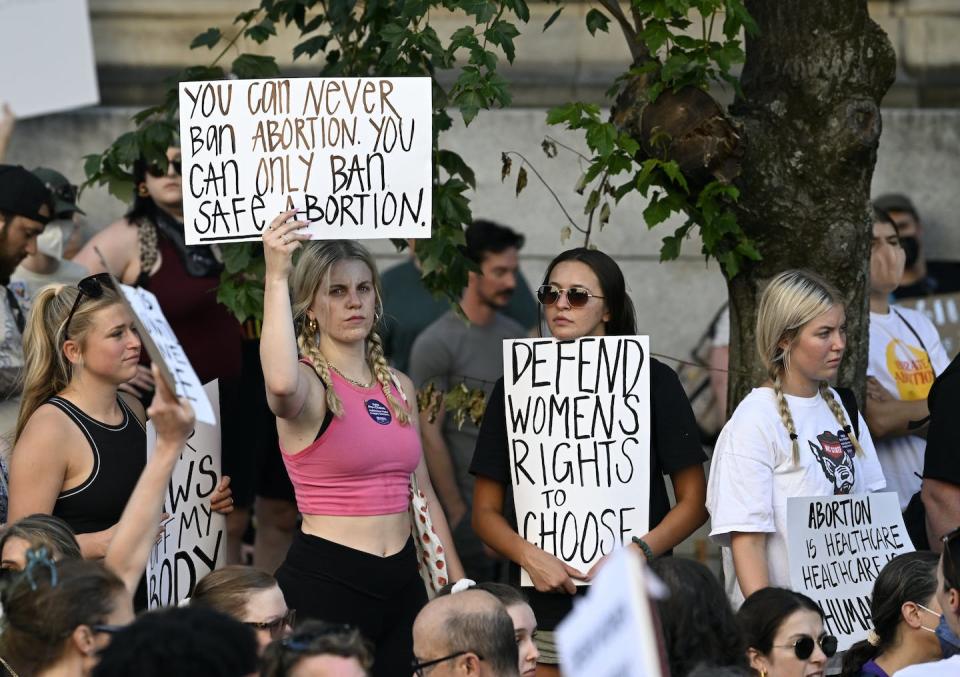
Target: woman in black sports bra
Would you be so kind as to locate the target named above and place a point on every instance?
(80, 444)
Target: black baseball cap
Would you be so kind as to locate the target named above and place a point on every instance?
(23, 194)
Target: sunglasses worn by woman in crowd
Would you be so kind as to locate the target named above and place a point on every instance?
(803, 646)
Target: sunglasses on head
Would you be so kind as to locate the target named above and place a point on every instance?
(92, 287)
(803, 647)
(577, 297)
(156, 171)
(66, 192)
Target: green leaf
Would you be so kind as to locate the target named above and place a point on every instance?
(601, 137)
(519, 8)
(670, 249)
(248, 66)
(261, 32)
(655, 35)
(91, 166)
(310, 47)
(553, 17)
(672, 169)
(597, 21)
(657, 211)
(208, 39)
(455, 166)
(481, 10)
(502, 33)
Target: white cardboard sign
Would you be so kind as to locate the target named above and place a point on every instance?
(351, 155)
(578, 424)
(185, 381)
(612, 631)
(194, 541)
(47, 56)
(837, 546)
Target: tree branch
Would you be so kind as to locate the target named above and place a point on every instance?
(638, 51)
(547, 186)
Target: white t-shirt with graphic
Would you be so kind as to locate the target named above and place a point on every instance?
(753, 473)
(906, 369)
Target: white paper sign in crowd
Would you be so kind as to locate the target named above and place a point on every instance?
(578, 423)
(351, 155)
(47, 56)
(837, 547)
(185, 380)
(611, 632)
(194, 541)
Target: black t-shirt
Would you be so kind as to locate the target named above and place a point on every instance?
(940, 460)
(943, 277)
(674, 445)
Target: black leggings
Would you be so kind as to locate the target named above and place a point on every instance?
(379, 595)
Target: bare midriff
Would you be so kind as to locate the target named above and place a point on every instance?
(381, 535)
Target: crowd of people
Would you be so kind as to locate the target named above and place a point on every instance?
(325, 445)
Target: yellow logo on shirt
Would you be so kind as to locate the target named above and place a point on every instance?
(911, 370)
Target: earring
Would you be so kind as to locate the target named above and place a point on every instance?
(313, 326)
(142, 190)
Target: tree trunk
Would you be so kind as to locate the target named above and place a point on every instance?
(812, 84)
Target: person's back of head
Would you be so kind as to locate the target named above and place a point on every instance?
(187, 642)
(314, 640)
(470, 627)
(699, 628)
(907, 585)
(485, 237)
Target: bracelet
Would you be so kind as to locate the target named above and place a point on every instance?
(642, 544)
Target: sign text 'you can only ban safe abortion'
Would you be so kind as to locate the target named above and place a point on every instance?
(578, 422)
(351, 155)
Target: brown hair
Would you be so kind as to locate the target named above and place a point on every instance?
(41, 530)
(227, 590)
(316, 638)
(39, 616)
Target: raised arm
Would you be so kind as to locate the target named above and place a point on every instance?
(136, 532)
(287, 387)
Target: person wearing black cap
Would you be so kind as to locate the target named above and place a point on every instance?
(50, 264)
(921, 277)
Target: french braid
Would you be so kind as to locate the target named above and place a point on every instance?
(840, 415)
(378, 364)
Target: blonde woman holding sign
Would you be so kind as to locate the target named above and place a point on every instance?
(584, 294)
(789, 437)
(349, 438)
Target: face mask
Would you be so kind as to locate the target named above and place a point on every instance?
(949, 642)
(911, 247)
(50, 241)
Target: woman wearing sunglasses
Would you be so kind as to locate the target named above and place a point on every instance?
(584, 294)
(80, 443)
(784, 635)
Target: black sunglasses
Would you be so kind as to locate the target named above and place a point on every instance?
(276, 626)
(577, 297)
(66, 192)
(109, 629)
(803, 647)
(418, 667)
(156, 171)
(92, 287)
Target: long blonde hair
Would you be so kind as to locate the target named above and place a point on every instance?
(312, 270)
(791, 300)
(46, 369)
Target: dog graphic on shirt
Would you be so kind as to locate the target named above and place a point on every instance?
(835, 455)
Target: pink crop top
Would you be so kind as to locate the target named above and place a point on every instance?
(361, 464)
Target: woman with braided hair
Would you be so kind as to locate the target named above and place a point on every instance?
(789, 437)
(349, 438)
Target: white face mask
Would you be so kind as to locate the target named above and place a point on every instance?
(50, 241)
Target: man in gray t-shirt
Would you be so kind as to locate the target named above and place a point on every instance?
(452, 352)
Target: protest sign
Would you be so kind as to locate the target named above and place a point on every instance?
(164, 349)
(578, 423)
(194, 541)
(944, 311)
(612, 632)
(47, 56)
(837, 546)
(351, 155)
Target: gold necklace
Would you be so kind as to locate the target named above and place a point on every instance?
(346, 378)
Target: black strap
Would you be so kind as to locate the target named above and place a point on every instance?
(15, 308)
(849, 401)
(914, 332)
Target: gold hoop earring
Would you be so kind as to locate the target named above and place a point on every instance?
(142, 190)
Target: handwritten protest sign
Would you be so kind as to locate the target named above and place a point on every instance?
(837, 546)
(60, 75)
(194, 540)
(164, 348)
(351, 155)
(578, 421)
(944, 311)
(611, 632)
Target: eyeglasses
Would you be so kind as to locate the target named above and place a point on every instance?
(109, 629)
(577, 297)
(276, 626)
(418, 667)
(156, 171)
(92, 287)
(950, 575)
(803, 647)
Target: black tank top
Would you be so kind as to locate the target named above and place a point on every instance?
(119, 456)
